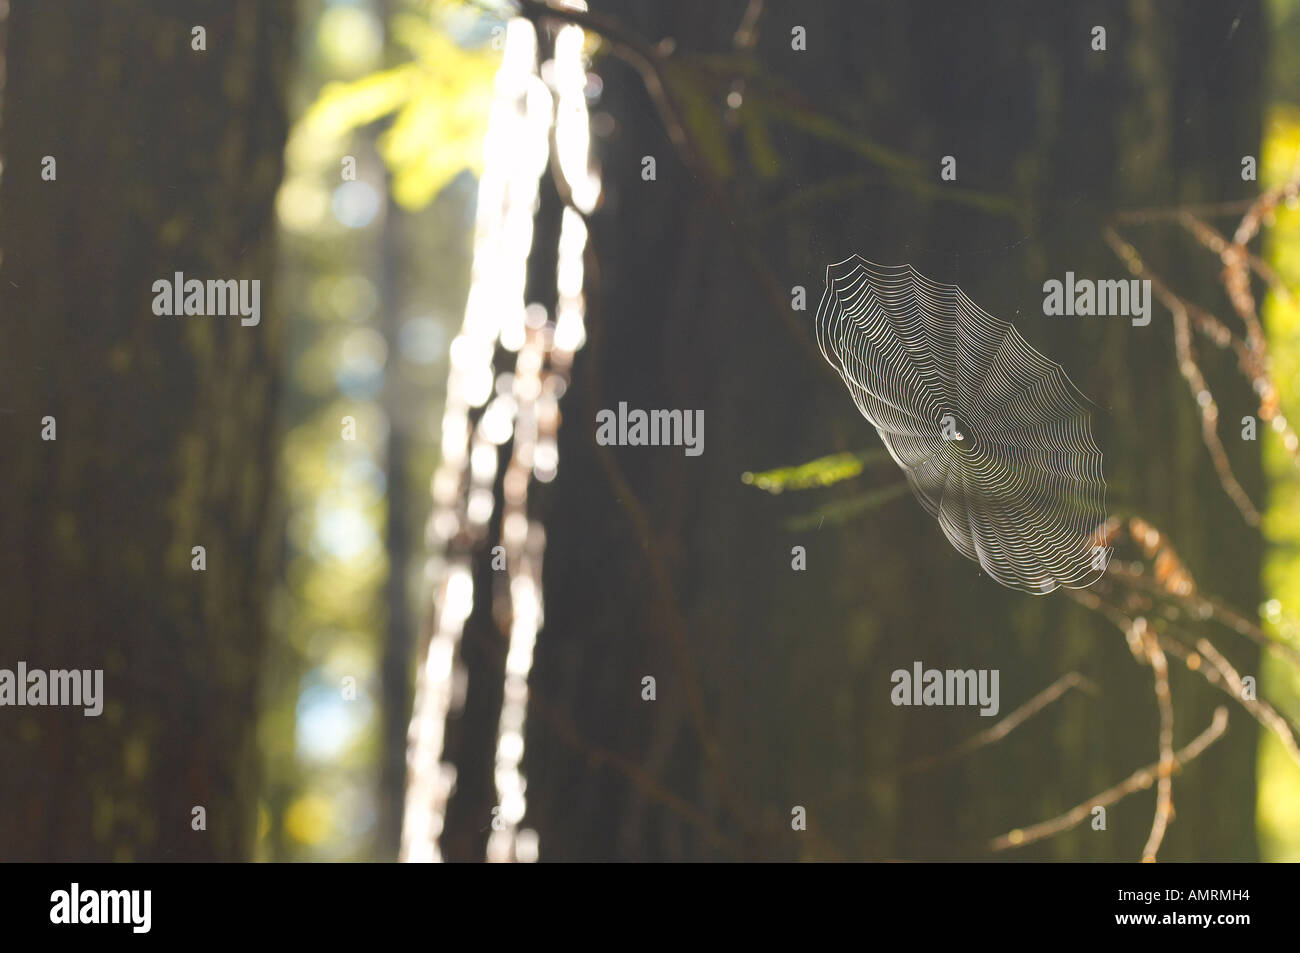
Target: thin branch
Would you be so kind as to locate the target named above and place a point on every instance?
(666, 602)
(747, 33)
(1238, 264)
(1263, 207)
(1164, 789)
(990, 736)
(1191, 372)
(651, 65)
(1217, 242)
(1139, 780)
(648, 62)
(630, 47)
(1264, 713)
(1221, 674)
(995, 733)
(1171, 213)
(1199, 605)
(635, 775)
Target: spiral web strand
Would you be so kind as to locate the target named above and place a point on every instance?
(993, 438)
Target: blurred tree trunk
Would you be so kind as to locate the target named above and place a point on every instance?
(773, 685)
(168, 159)
(472, 732)
(399, 634)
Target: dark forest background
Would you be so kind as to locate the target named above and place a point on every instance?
(773, 686)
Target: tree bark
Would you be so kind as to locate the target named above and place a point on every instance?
(168, 160)
(773, 686)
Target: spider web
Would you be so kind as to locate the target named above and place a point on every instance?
(994, 439)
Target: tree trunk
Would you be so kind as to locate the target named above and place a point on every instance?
(773, 685)
(168, 160)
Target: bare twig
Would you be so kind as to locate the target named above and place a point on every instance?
(1217, 242)
(1139, 780)
(1164, 789)
(995, 733)
(637, 776)
(1238, 264)
(1261, 208)
(651, 65)
(1199, 605)
(1236, 275)
(669, 608)
(747, 33)
(1264, 713)
(1172, 213)
(1191, 372)
(1219, 673)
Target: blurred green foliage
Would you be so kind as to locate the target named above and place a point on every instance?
(1278, 809)
(374, 293)
(438, 101)
(824, 471)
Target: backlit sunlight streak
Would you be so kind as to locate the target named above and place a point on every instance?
(515, 155)
(540, 378)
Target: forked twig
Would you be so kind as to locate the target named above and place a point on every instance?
(1191, 372)
(1219, 673)
(1264, 713)
(1139, 780)
(1198, 605)
(1252, 353)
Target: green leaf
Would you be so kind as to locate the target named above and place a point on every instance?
(342, 107)
(440, 103)
(823, 471)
